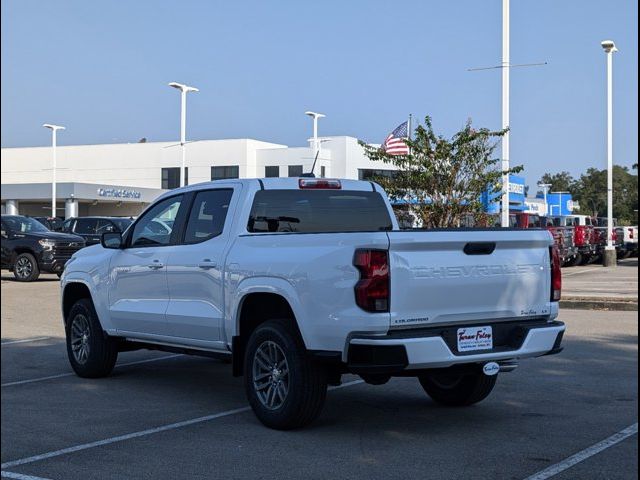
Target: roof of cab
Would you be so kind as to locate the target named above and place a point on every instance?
(274, 183)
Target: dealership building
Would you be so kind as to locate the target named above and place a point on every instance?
(121, 179)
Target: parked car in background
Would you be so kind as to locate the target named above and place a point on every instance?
(52, 223)
(28, 248)
(631, 240)
(563, 237)
(92, 228)
(584, 236)
(621, 237)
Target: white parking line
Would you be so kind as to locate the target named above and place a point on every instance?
(19, 476)
(24, 340)
(141, 433)
(578, 272)
(69, 374)
(584, 454)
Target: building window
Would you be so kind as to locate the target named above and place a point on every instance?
(323, 172)
(295, 170)
(220, 173)
(171, 177)
(371, 174)
(271, 171)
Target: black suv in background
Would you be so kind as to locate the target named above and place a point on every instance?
(52, 223)
(92, 228)
(28, 248)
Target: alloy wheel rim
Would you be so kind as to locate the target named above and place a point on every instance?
(270, 375)
(80, 336)
(23, 267)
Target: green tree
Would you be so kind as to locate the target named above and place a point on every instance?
(591, 192)
(445, 177)
(560, 182)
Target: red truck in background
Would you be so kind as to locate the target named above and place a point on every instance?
(585, 237)
(563, 236)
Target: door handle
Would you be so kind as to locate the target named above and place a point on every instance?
(156, 265)
(207, 264)
(479, 248)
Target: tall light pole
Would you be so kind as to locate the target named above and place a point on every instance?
(54, 137)
(505, 113)
(545, 189)
(316, 144)
(184, 89)
(505, 66)
(609, 258)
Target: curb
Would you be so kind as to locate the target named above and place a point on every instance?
(618, 304)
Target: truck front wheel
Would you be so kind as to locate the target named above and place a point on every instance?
(92, 353)
(285, 387)
(457, 389)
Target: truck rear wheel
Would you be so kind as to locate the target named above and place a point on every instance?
(457, 389)
(92, 353)
(285, 387)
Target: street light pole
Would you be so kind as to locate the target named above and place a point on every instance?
(545, 189)
(316, 144)
(54, 135)
(609, 259)
(505, 113)
(184, 89)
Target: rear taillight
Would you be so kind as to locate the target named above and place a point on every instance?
(319, 183)
(631, 233)
(372, 290)
(556, 274)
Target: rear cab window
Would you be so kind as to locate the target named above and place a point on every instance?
(318, 211)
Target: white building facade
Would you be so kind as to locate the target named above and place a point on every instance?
(121, 179)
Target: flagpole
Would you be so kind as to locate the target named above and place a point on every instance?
(409, 131)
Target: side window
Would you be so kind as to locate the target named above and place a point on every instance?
(207, 216)
(66, 226)
(156, 225)
(86, 226)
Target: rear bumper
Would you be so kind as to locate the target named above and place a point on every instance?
(433, 348)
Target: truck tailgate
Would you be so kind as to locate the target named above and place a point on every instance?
(450, 277)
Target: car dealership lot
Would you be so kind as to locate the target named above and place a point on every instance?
(171, 416)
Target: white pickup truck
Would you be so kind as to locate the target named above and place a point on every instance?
(298, 281)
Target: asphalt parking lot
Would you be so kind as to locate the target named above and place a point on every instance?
(572, 415)
(596, 281)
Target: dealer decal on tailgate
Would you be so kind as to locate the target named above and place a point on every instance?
(475, 338)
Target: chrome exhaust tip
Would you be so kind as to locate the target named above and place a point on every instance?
(508, 366)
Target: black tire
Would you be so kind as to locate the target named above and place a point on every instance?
(25, 268)
(585, 259)
(101, 352)
(575, 261)
(306, 381)
(457, 389)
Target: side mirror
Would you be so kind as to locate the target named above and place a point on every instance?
(112, 240)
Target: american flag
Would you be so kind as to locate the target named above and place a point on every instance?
(394, 144)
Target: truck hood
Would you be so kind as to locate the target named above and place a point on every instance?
(55, 236)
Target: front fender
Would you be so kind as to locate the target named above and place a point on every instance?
(99, 296)
(273, 285)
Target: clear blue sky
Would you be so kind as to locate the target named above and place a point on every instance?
(102, 68)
